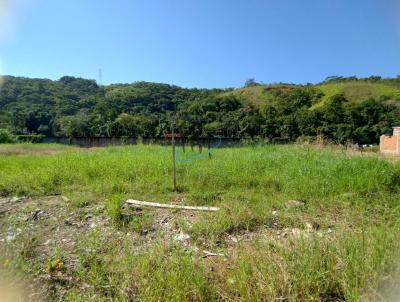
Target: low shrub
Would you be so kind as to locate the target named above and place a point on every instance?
(31, 138)
(6, 137)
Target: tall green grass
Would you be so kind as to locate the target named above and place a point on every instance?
(357, 198)
(280, 172)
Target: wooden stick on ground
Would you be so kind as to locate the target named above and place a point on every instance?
(210, 254)
(170, 206)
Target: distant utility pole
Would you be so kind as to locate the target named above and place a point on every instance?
(100, 78)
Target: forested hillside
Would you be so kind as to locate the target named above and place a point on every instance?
(340, 109)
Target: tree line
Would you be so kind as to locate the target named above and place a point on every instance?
(76, 107)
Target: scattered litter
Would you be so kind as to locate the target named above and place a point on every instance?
(85, 286)
(18, 199)
(165, 220)
(309, 226)
(100, 208)
(181, 237)
(233, 239)
(37, 214)
(294, 204)
(70, 222)
(11, 237)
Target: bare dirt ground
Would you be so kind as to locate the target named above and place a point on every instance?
(40, 228)
(17, 150)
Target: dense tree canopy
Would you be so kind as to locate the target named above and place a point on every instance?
(78, 107)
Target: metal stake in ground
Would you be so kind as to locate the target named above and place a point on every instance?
(173, 155)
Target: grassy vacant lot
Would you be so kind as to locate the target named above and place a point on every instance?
(74, 239)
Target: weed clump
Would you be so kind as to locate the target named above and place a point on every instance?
(114, 210)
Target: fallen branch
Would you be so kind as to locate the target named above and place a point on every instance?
(170, 206)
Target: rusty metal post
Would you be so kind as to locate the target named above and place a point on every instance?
(173, 155)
